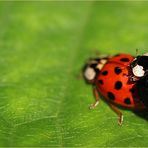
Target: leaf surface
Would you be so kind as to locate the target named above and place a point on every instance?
(43, 46)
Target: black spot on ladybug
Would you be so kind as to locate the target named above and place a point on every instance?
(101, 82)
(117, 70)
(127, 101)
(111, 96)
(124, 60)
(118, 85)
(105, 73)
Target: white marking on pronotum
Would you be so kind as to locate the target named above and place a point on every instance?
(138, 71)
(103, 61)
(89, 73)
(100, 66)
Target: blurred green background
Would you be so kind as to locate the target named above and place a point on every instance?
(43, 46)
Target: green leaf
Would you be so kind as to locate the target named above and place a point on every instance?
(43, 46)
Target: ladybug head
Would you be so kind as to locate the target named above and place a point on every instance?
(139, 66)
(92, 68)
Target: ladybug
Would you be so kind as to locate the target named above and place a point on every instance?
(116, 78)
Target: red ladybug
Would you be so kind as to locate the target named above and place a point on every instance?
(111, 77)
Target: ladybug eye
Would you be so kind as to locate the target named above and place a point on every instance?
(89, 73)
(138, 71)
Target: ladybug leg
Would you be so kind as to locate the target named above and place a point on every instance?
(117, 111)
(96, 95)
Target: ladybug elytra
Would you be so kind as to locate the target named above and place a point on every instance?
(118, 80)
